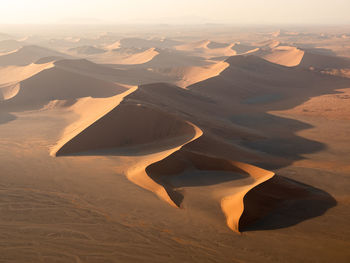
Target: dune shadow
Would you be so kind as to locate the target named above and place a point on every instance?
(6, 117)
(281, 202)
(276, 203)
(189, 169)
(281, 139)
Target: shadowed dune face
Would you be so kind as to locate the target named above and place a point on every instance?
(321, 61)
(221, 132)
(257, 87)
(281, 138)
(249, 77)
(122, 56)
(15, 74)
(178, 175)
(57, 84)
(9, 45)
(281, 202)
(6, 117)
(86, 50)
(189, 169)
(129, 126)
(123, 74)
(208, 49)
(27, 55)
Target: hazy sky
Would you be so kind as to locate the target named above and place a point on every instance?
(175, 11)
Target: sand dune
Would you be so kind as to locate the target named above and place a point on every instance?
(191, 75)
(127, 129)
(230, 198)
(215, 45)
(167, 58)
(309, 58)
(27, 55)
(11, 74)
(240, 48)
(114, 45)
(123, 76)
(162, 132)
(58, 84)
(151, 65)
(134, 127)
(86, 50)
(88, 110)
(271, 43)
(253, 81)
(208, 49)
(218, 137)
(148, 43)
(8, 91)
(119, 129)
(124, 56)
(319, 61)
(284, 197)
(283, 55)
(9, 45)
(193, 45)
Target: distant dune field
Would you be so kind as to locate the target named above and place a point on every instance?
(181, 145)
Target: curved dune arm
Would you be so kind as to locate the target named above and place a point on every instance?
(233, 205)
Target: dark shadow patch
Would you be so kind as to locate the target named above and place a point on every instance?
(281, 202)
(281, 139)
(173, 172)
(6, 117)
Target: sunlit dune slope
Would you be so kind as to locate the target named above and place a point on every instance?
(27, 55)
(283, 55)
(208, 49)
(176, 168)
(134, 127)
(11, 76)
(124, 56)
(130, 125)
(185, 76)
(58, 84)
(253, 81)
(122, 76)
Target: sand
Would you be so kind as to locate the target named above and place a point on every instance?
(284, 55)
(125, 147)
(27, 55)
(122, 56)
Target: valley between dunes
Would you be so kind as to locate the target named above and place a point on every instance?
(144, 149)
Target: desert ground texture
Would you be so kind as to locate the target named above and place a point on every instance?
(174, 144)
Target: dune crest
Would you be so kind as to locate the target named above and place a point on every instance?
(154, 143)
(124, 56)
(88, 111)
(28, 55)
(233, 205)
(138, 173)
(208, 49)
(9, 91)
(191, 75)
(284, 55)
(54, 83)
(12, 74)
(230, 198)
